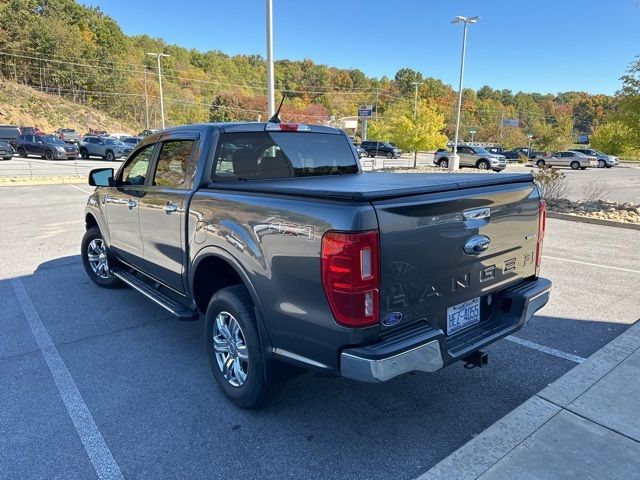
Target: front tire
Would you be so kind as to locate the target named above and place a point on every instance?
(540, 163)
(84, 153)
(389, 155)
(48, 155)
(109, 156)
(483, 165)
(235, 352)
(602, 164)
(22, 152)
(95, 259)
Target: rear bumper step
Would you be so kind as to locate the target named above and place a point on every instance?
(427, 349)
(176, 308)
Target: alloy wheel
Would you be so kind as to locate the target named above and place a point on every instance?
(97, 257)
(230, 348)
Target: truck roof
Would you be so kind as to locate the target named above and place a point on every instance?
(238, 127)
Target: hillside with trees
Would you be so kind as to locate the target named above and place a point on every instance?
(63, 48)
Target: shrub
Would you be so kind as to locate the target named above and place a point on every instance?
(595, 191)
(552, 183)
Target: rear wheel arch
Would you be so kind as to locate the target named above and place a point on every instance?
(212, 259)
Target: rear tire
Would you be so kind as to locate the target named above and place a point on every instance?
(575, 165)
(22, 152)
(7, 158)
(249, 379)
(443, 163)
(540, 163)
(93, 253)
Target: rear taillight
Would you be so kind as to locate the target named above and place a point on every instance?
(287, 127)
(542, 225)
(351, 276)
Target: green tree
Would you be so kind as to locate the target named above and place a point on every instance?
(422, 132)
(405, 78)
(554, 137)
(614, 138)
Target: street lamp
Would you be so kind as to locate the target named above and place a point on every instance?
(455, 160)
(158, 56)
(271, 100)
(415, 99)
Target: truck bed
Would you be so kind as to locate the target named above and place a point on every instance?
(367, 187)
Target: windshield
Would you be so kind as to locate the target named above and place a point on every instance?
(53, 141)
(113, 141)
(262, 155)
(68, 130)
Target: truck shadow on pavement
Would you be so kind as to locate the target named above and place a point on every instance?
(146, 379)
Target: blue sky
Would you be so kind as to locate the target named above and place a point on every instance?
(545, 46)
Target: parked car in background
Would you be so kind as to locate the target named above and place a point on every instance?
(106, 148)
(603, 160)
(495, 150)
(9, 133)
(147, 132)
(474, 156)
(516, 153)
(46, 146)
(119, 135)
(375, 148)
(68, 135)
(361, 151)
(6, 150)
(571, 159)
(133, 141)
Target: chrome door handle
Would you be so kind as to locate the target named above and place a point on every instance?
(171, 207)
(131, 204)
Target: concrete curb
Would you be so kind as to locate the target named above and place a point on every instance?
(593, 221)
(485, 450)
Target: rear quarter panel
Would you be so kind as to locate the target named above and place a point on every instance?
(277, 242)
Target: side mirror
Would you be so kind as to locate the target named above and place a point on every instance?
(101, 177)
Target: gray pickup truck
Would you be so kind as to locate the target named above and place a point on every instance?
(300, 261)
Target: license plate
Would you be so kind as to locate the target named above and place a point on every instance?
(463, 315)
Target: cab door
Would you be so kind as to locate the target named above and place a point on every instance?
(163, 207)
(466, 156)
(122, 204)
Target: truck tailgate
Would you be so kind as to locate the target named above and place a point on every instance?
(424, 267)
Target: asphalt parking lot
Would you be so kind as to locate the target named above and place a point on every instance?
(141, 385)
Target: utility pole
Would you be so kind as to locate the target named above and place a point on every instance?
(146, 100)
(415, 115)
(271, 100)
(455, 160)
(158, 56)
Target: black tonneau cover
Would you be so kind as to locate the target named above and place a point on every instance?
(372, 186)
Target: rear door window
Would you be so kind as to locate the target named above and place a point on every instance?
(173, 167)
(265, 155)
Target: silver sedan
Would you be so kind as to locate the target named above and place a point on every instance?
(573, 160)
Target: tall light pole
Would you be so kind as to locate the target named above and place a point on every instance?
(146, 100)
(271, 100)
(158, 56)
(415, 99)
(455, 160)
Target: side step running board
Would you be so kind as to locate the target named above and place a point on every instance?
(176, 308)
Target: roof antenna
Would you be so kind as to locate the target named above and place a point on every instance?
(276, 118)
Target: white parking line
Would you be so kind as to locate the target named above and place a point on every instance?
(78, 188)
(544, 349)
(592, 264)
(92, 440)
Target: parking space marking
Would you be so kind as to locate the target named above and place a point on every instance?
(592, 264)
(78, 188)
(91, 438)
(545, 349)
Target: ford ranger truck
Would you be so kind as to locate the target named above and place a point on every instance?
(297, 260)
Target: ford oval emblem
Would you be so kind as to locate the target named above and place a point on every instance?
(392, 319)
(476, 245)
